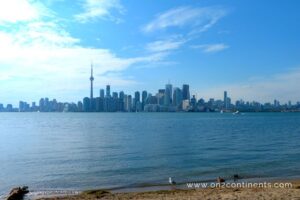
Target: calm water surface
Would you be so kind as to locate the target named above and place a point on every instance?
(49, 151)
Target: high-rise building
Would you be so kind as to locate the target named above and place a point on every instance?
(168, 95)
(102, 93)
(46, 104)
(177, 97)
(289, 104)
(21, 106)
(160, 96)
(86, 104)
(193, 102)
(225, 101)
(144, 98)
(125, 103)
(115, 95)
(115, 101)
(41, 105)
(79, 106)
(9, 107)
(108, 91)
(121, 95)
(121, 101)
(136, 99)
(129, 103)
(92, 89)
(185, 92)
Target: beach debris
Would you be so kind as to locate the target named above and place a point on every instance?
(18, 193)
(96, 193)
(236, 177)
(172, 182)
(220, 180)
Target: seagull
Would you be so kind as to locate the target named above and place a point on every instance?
(171, 181)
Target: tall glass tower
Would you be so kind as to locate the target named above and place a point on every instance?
(225, 100)
(107, 90)
(185, 92)
(168, 95)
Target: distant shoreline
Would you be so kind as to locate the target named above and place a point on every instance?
(231, 112)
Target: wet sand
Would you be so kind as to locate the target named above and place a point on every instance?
(207, 193)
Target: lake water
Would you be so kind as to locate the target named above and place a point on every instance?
(75, 151)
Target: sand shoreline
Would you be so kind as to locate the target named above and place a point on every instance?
(174, 192)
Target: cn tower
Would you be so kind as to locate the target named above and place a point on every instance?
(91, 95)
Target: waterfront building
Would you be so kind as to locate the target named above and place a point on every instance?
(161, 96)
(185, 105)
(125, 103)
(136, 100)
(144, 98)
(225, 100)
(107, 90)
(41, 105)
(168, 95)
(121, 101)
(152, 99)
(129, 103)
(86, 104)
(79, 106)
(138, 106)
(9, 108)
(46, 106)
(177, 97)
(102, 93)
(185, 92)
(193, 103)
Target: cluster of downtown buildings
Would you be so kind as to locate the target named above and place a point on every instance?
(168, 99)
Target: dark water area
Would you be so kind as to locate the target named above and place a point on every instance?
(77, 151)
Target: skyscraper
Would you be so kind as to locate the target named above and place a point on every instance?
(41, 104)
(144, 98)
(136, 99)
(91, 92)
(129, 103)
(225, 100)
(160, 96)
(86, 104)
(168, 95)
(101, 93)
(185, 92)
(121, 101)
(177, 97)
(108, 91)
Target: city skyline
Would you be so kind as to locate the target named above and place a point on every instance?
(168, 99)
(134, 45)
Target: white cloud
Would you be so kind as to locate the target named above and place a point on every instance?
(200, 19)
(40, 58)
(54, 58)
(283, 87)
(100, 9)
(188, 21)
(165, 45)
(13, 11)
(211, 48)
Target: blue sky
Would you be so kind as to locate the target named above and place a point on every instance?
(249, 48)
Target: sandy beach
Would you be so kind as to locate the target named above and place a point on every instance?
(207, 193)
